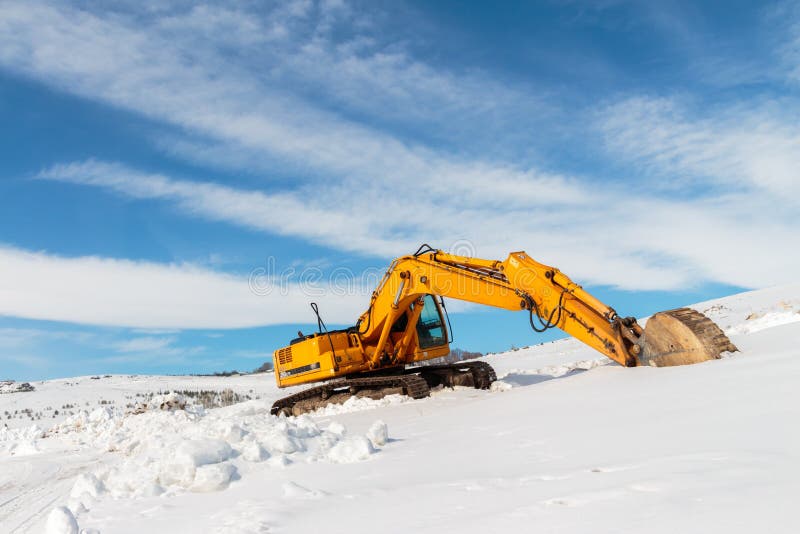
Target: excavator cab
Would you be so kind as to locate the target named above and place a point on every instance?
(431, 332)
(331, 354)
(428, 337)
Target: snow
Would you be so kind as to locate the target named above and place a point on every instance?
(61, 521)
(357, 404)
(565, 441)
(768, 320)
(354, 449)
(9, 386)
(296, 491)
(378, 433)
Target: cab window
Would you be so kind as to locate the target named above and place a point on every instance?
(430, 330)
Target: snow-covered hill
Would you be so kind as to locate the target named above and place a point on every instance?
(566, 441)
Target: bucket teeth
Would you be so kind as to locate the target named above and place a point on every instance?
(680, 337)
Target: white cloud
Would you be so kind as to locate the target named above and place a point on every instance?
(178, 67)
(734, 172)
(752, 148)
(782, 20)
(24, 337)
(145, 344)
(111, 292)
(26, 361)
(620, 238)
(382, 194)
(152, 349)
(135, 65)
(373, 220)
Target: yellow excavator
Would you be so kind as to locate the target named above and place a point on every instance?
(404, 327)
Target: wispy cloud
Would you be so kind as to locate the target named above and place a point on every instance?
(735, 148)
(378, 220)
(145, 344)
(741, 162)
(177, 67)
(27, 361)
(330, 214)
(363, 186)
(340, 57)
(783, 21)
(111, 292)
(151, 349)
(24, 337)
(646, 242)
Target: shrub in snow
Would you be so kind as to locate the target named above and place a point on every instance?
(61, 521)
(378, 433)
(169, 402)
(9, 386)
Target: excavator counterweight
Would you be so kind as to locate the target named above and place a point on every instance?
(390, 347)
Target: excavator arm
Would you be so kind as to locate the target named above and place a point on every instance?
(519, 283)
(550, 298)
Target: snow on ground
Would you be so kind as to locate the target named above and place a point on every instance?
(68, 396)
(566, 441)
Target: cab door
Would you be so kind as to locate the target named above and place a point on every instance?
(432, 340)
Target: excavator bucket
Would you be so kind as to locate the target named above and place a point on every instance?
(681, 337)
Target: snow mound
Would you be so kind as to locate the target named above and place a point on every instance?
(756, 322)
(755, 310)
(9, 386)
(61, 521)
(355, 449)
(524, 377)
(173, 451)
(87, 485)
(500, 385)
(358, 404)
(378, 433)
(20, 441)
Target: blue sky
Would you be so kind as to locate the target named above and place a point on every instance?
(178, 182)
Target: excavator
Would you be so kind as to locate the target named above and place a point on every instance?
(388, 350)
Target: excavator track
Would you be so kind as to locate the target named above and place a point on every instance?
(338, 391)
(413, 382)
(479, 375)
